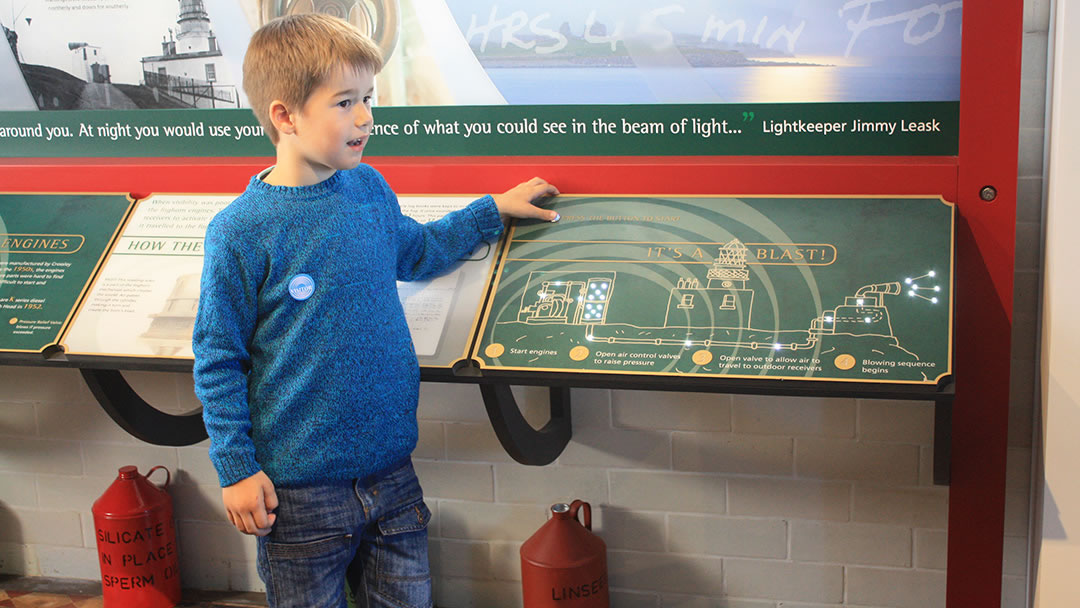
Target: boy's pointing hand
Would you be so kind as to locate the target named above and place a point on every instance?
(520, 201)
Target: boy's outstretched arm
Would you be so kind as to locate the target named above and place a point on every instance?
(520, 201)
(425, 250)
(250, 503)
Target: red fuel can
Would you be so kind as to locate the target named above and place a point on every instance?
(564, 564)
(136, 540)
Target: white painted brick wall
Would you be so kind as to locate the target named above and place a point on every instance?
(506, 561)
(634, 600)
(474, 442)
(705, 501)
(669, 572)
(551, 484)
(728, 536)
(41, 527)
(629, 529)
(896, 421)
(931, 549)
(731, 453)
(894, 588)
(684, 412)
(432, 441)
(667, 491)
(68, 562)
(17, 490)
(857, 460)
(618, 448)
(467, 559)
(842, 543)
(751, 537)
(796, 499)
(488, 521)
(470, 593)
(752, 532)
(757, 414)
(916, 507)
(682, 601)
(460, 480)
(18, 558)
(782, 580)
(41, 456)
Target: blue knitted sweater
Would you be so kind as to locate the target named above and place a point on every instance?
(315, 385)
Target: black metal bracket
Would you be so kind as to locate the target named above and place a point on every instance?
(521, 441)
(138, 417)
(943, 411)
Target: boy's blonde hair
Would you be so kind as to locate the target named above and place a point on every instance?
(290, 56)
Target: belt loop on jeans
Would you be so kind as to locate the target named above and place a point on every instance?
(369, 480)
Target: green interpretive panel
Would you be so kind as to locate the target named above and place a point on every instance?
(50, 247)
(844, 289)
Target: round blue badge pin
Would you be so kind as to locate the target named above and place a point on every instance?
(301, 287)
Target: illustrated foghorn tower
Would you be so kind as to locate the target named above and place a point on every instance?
(724, 302)
(729, 269)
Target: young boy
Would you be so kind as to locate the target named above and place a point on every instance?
(303, 360)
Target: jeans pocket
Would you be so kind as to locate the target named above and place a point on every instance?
(412, 518)
(403, 576)
(310, 549)
(310, 573)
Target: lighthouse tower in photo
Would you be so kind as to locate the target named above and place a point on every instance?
(191, 68)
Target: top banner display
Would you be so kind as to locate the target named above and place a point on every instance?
(884, 75)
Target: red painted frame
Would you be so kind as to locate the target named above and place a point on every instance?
(989, 119)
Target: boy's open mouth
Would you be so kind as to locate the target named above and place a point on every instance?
(355, 142)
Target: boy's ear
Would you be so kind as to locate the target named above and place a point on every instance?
(282, 118)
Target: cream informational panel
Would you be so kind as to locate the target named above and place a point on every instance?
(143, 302)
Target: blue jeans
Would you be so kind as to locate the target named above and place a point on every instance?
(381, 521)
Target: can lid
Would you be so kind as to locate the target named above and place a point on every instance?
(560, 507)
(131, 495)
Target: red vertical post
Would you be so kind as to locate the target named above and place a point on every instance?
(989, 124)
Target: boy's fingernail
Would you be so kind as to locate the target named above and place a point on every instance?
(556, 217)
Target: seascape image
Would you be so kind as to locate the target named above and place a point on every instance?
(705, 51)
